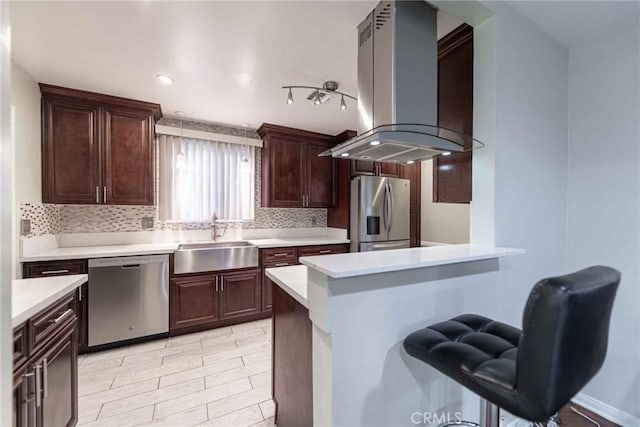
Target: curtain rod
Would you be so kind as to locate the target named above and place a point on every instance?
(209, 136)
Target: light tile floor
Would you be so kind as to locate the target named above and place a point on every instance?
(220, 377)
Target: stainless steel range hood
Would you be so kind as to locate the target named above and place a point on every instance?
(398, 88)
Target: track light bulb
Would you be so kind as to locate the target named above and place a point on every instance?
(290, 97)
(343, 105)
(317, 100)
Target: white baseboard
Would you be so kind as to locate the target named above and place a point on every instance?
(606, 411)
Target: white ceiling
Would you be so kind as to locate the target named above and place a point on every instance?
(229, 59)
(574, 22)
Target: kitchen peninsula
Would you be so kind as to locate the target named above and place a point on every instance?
(349, 356)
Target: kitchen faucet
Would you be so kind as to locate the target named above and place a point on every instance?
(214, 227)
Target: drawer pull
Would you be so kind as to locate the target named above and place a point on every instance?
(38, 372)
(45, 382)
(281, 264)
(55, 272)
(280, 254)
(326, 251)
(62, 316)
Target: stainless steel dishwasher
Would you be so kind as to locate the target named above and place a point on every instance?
(128, 298)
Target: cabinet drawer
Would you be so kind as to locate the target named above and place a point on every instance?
(279, 254)
(20, 351)
(50, 321)
(54, 268)
(322, 250)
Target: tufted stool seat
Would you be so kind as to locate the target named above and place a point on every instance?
(534, 372)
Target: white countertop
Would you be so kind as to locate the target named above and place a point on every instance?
(298, 241)
(363, 263)
(30, 296)
(84, 252)
(293, 280)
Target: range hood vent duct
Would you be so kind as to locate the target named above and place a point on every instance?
(398, 88)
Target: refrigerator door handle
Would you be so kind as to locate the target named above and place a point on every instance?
(391, 207)
(385, 209)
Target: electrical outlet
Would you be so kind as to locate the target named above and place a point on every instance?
(25, 227)
(147, 222)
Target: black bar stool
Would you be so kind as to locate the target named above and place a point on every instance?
(534, 372)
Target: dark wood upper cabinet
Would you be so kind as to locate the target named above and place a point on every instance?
(363, 167)
(97, 148)
(293, 176)
(452, 174)
(321, 172)
(128, 147)
(71, 152)
(389, 169)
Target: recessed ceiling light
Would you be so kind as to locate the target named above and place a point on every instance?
(345, 154)
(446, 153)
(374, 143)
(180, 113)
(165, 78)
(410, 162)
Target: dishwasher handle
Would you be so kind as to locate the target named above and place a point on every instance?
(131, 267)
(128, 261)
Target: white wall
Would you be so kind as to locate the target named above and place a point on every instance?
(25, 98)
(603, 220)
(6, 213)
(519, 178)
(441, 222)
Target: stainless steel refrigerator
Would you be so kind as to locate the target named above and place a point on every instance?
(379, 213)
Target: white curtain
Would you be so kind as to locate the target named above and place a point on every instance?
(200, 178)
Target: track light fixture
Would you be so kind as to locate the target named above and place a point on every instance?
(318, 94)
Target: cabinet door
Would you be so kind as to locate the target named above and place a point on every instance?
(240, 294)
(452, 174)
(62, 268)
(282, 172)
(128, 157)
(194, 301)
(391, 170)
(70, 152)
(363, 167)
(321, 176)
(267, 284)
(59, 379)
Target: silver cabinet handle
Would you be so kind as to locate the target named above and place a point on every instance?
(326, 251)
(217, 277)
(38, 385)
(221, 284)
(97, 194)
(104, 194)
(280, 254)
(281, 264)
(29, 406)
(80, 293)
(45, 384)
(55, 272)
(61, 316)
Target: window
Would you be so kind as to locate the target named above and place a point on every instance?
(200, 178)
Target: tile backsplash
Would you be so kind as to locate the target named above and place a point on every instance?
(56, 219)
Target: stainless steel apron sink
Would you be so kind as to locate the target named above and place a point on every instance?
(213, 256)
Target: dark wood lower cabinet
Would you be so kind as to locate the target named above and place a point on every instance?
(45, 384)
(63, 268)
(292, 361)
(240, 294)
(59, 366)
(194, 301)
(205, 301)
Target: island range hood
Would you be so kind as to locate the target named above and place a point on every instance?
(398, 88)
